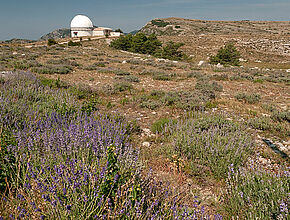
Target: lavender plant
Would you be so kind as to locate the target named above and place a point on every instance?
(256, 194)
(211, 140)
(70, 165)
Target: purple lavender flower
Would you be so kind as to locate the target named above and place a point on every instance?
(68, 207)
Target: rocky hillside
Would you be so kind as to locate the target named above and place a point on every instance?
(181, 26)
(18, 41)
(59, 33)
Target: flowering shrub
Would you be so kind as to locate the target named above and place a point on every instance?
(211, 141)
(65, 164)
(256, 194)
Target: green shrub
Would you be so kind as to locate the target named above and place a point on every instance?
(72, 44)
(90, 105)
(7, 160)
(81, 91)
(140, 43)
(251, 98)
(129, 78)
(121, 73)
(171, 51)
(162, 76)
(279, 128)
(123, 86)
(256, 194)
(52, 83)
(51, 42)
(159, 23)
(150, 104)
(119, 30)
(211, 143)
(208, 89)
(261, 123)
(156, 94)
(52, 69)
(226, 55)
(281, 116)
(25, 64)
(159, 125)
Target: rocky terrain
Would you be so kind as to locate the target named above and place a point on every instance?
(235, 118)
(187, 27)
(56, 34)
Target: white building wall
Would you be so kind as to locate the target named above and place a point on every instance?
(98, 33)
(82, 33)
(115, 34)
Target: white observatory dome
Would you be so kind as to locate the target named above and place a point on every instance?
(81, 21)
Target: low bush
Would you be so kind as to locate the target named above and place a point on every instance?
(73, 165)
(159, 23)
(73, 44)
(211, 142)
(25, 64)
(162, 76)
(123, 86)
(279, 128)
(255, 194)
(281, 116)
(52, 69)
(81, 91)
(208, 89)
(128, 78)
(159, 125)
(150, 104)
(51, 42)
(52, 83)
(121, 73)
(251, 98)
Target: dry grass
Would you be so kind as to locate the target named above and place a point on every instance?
(124, 102)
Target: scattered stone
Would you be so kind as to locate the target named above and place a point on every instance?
(14, 53)
(124, 62)
(288, 71)
(242, 60)
(219, 65)
(147, 131)
(200, 63)
(146, 144)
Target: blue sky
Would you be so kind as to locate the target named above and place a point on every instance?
(31, 19)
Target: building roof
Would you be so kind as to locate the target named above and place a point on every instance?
(102, 29)
(81, 21)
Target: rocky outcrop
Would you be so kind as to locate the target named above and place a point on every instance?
(185, 27)
(59, 33)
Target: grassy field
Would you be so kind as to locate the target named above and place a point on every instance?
(94, 132)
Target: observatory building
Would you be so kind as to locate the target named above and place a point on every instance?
(82, 26)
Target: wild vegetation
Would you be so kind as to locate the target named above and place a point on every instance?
(226, 55)
(140, 43)
(93, 131)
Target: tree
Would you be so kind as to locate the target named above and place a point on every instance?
(152, 45)
(138, 42)
(226, 55)
(119, 30)
(171, 51)
(122, 43)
